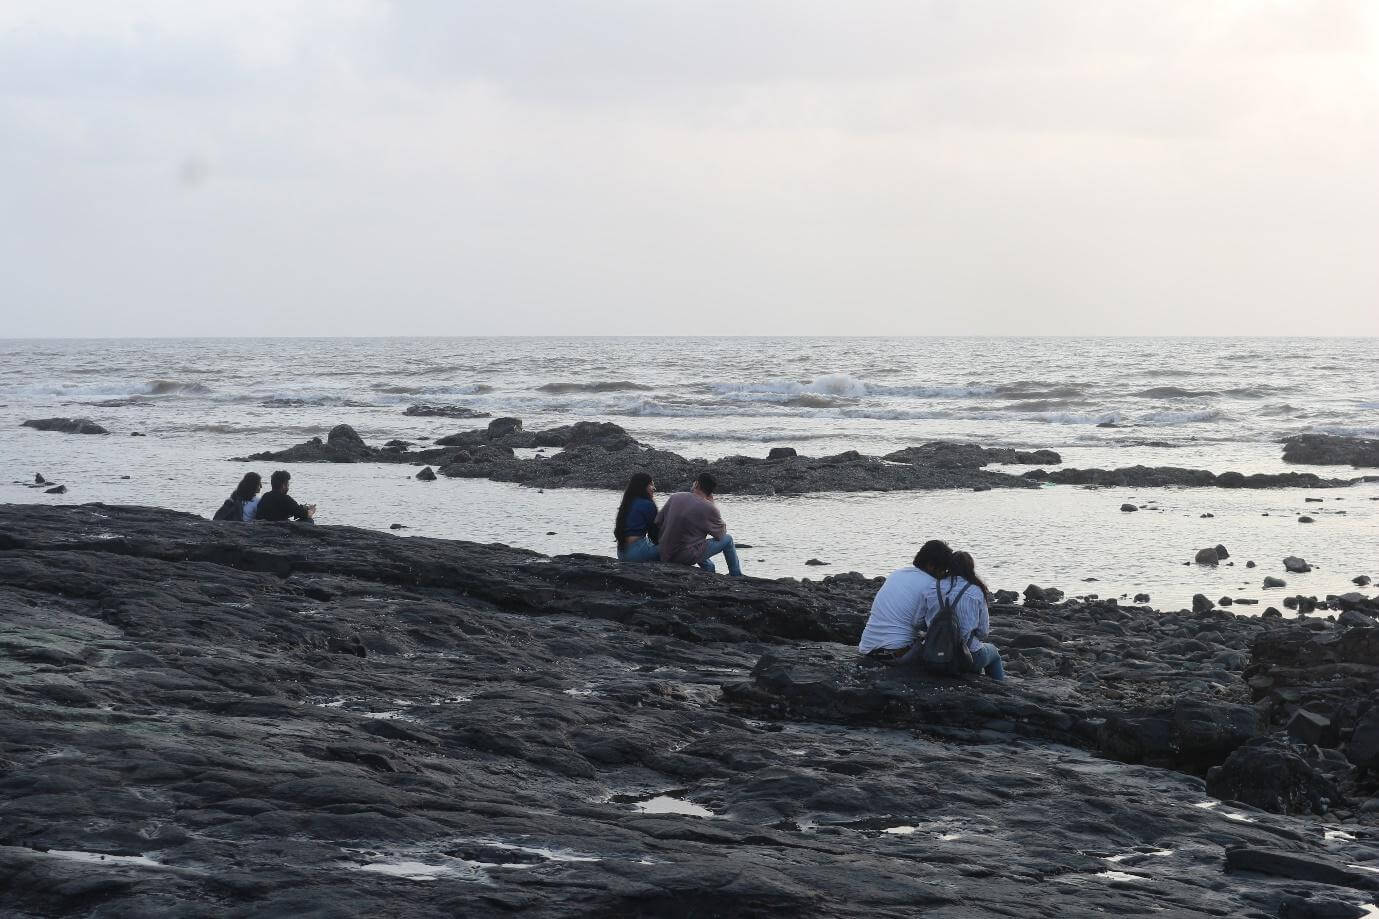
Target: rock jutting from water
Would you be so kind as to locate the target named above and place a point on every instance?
(279, 720)
(1331, 450)
(443, 411)
(65, 425)
(595, 454)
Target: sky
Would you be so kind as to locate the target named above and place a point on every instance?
(680, 167)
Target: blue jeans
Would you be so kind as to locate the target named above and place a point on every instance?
(724, 545)
(643, 550)
(987, 659)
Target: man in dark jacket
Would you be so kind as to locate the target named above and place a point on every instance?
(276, 505)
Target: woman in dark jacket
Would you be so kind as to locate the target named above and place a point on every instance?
(635, 526)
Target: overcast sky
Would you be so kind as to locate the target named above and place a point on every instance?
(362, 167)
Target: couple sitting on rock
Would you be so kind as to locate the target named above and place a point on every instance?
(907, 606)
(688, 530)
(244, 503)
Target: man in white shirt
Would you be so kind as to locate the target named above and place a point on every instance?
(905, 604)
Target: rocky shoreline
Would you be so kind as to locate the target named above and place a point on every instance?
(207, 718)
(602, 455)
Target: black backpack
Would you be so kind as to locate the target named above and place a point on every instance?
(232, 509)
(945, 646)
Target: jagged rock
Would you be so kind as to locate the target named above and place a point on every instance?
(502, 427)
(39, 480)
(1296, 565)
(1201, 604)
(66, 425)
(1270, 775)
(427, 474)
(1330, 450)
(443, 411)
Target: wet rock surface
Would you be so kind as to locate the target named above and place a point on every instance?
(443, 411)
(65, 425)
(1331, 450)
(947, 454)
(205, 718)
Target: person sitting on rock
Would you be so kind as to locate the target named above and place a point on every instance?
(904, 604)
(276, 505)
(635, 528)
(974, 617)
(243, 502)
(692, 531)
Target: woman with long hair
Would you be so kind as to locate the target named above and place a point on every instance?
(973, 616)
(634, 529)
(243, 503)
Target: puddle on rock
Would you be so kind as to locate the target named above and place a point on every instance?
(1124, 856)
(100, 858)
(663, 804)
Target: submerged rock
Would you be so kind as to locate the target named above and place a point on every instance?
(951, 455)
(443, 411)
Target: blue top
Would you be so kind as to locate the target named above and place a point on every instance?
(640, 517)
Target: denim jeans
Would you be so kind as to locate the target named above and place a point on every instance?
(987, 659)
(643, 550)
(724, 545)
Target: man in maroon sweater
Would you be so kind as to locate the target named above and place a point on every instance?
(692, 532)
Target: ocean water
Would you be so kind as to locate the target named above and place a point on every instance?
(1217, 404)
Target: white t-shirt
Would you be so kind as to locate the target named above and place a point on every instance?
(899, 611)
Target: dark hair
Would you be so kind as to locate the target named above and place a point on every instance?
(965, 568)
(706, 482)
(636, 488)
(279, 478)
(248, 487)
(934, 554)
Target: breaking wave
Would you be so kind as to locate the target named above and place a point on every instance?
(176, 388)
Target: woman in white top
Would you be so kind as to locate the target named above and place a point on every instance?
(974, 617)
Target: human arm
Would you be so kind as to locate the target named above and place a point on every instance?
(713, 522)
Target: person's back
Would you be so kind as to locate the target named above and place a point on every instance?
(686, 521)
(898, 611)
(692, 532)
(277, 505)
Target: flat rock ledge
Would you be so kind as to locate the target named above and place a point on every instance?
(600, 454)
(1331, 450)
(65, 425)
(202, 718)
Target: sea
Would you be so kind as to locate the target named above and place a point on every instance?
(1209, 403)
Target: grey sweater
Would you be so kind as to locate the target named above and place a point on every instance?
(686, 521)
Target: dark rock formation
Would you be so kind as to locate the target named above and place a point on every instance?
(950, 455)
(66, 425)
(1331, 450)
(1173, 476)
(443, 411)
(272, 720)
(1296, 565)
(427, 474)
(342, 445)
(1272, 775)
(781, 453)
(1128, 508)
(56, 490)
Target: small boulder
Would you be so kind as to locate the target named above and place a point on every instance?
(1225, 601)
(1141, 598)
(1221, 552)
(815, 561)
(1312, 728)
(1296, 565)
(1270, 775)
(1360, 580)
(1200, 604)
(1363, 749)
(1270, 582)
(56, 490)
(427, 474)
(1128, 508)
(1306, 519)
(502, 427)
(1207, 556)
(1249, 564)
(781, 453)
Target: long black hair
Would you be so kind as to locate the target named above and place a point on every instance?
(964, 567)
(637, 487)
(248, 487)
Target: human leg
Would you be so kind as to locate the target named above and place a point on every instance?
(643, 550)
(729, 550)
(987, 659)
